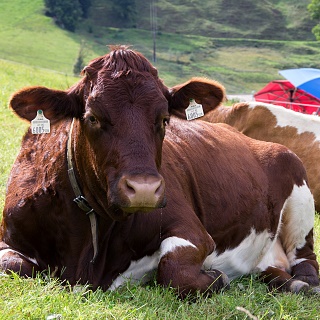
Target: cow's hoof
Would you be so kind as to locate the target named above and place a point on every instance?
(221, 280)
(299, 286)
(315, 290)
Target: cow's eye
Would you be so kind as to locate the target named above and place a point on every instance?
(93, 119)
(165, 121)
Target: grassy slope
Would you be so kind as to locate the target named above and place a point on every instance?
(266, 19)
(27, 36)
(242, 65)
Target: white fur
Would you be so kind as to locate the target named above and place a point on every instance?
(142, 270)
(299, 215)
(170, 244)
(4, 251)
(244, 258)
(286, 117)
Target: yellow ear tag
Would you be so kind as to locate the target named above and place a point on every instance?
(194, 110)
(40, 124)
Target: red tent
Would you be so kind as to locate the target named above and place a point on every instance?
(284, 93)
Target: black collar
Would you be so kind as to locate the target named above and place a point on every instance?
(80, 200)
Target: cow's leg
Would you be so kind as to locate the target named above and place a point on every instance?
(180, 267)
(296, 242)
(13, 261)
(278, 279)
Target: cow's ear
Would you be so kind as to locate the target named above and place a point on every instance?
(55, 104)
(208, 93)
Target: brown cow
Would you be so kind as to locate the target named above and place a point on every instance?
(234, 205)
(298, 132)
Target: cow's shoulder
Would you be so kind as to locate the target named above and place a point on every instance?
(39, 170)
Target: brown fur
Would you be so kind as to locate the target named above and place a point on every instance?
(259, 123)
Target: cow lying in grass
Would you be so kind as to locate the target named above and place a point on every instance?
(121, 187)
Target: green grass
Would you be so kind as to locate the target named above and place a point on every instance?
(40, 297)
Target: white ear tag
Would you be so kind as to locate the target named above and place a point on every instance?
(40, 124)
(194, 110)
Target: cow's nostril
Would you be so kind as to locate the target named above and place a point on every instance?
(142, 191)
(130, 188)
(160, 189)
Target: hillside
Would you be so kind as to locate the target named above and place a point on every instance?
(241, 65)
(264, 19)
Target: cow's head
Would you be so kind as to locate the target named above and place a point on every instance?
(122, 109)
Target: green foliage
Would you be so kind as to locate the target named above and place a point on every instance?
(85, 6)
(316, 31)
(125, 11)
(314, 10)
(66, 13)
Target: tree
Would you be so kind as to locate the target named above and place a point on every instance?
(79, 65)
(125, 10)
(66, 13)
(85, 6)
(314, 10)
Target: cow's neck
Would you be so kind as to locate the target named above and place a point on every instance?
(80, 200)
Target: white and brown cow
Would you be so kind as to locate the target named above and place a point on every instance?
(115, 192)
(267, 122)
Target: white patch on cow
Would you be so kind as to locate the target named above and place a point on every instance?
(244, 258)
(275, 257)
(5, 251)
(258, 251)
(171, 243)
(298, 220)
(142, 270)
(286, 117)
(138, 271)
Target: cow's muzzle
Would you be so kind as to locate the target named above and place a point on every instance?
(141, 193)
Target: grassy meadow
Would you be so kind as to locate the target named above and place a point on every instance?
(41, 297)
(241, 65)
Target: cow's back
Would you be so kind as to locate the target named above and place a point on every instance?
(298, 132)
(219, 189)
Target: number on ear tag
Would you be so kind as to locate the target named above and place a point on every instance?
(194, 110)
(40, 124)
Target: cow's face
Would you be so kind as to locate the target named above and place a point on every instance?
(125, 115)
(123, 109)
